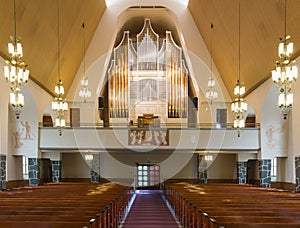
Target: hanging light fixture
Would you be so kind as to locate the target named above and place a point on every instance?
(239, 105)
(15, 72)
(58, 105)
(85, 91)
(211, 93)
(286, 72)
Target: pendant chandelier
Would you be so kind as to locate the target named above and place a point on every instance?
(84, 91)
(58, 105)
(211, 93)
(286, 72)
(239, 105)
(15, 72)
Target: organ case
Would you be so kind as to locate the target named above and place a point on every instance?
(148, 76)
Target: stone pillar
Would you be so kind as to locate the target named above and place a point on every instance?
(265, 173)
(33, 171)
(2, 171)
(202, 169)
(56, 171)
(241, 172)
(297, 173)
(95, 168)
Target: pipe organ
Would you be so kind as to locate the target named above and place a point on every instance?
(147, 76)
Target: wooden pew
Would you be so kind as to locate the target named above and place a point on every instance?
(64, 205)
(230, 205)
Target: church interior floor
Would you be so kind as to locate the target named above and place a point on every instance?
(149, 210)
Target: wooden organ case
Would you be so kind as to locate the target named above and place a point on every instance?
(148, 76)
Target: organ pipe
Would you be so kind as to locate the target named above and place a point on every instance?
(158, 73)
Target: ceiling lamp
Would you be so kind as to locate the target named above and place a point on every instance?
(211, 93)
(16, 100)
(85, 91)
(286, 72)
(239, 105)
(58, 105)
(15, 72)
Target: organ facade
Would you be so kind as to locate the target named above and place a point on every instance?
(148, 76)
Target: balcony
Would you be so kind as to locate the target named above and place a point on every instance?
(198, 137)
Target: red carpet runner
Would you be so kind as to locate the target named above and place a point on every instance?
(149, 211)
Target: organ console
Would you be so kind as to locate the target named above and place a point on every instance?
(148, 77)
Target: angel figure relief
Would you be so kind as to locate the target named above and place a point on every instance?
(17, 138)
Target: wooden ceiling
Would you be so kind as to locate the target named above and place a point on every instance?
(37, 26)
(261, 25)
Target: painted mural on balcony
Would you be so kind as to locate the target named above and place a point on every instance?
(148, 137)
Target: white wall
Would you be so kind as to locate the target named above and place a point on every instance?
(14, 167)
(36, 99)
(53, 156)
(122, 165)
(285, 138)
(20, 145)
(74, 166)
(260, 92)
(274, 129)
(26, 127)
(243, 157)
(98, 53)
(4, 96)
(223, 167)
(190, 170)
(281, 170)
(295, 133)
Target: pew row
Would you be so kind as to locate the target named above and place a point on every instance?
(232, 205)
(80, 205)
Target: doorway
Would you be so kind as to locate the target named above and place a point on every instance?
(148, 176)
(221, 118)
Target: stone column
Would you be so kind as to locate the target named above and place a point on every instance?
(265, 173)
(2, 171)
(202, 169)
(56, 171)
(297, 173)
(33, 171)
(241, 172)
(95, 168)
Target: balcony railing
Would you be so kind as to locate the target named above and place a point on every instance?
(195, 137)
(248, 126)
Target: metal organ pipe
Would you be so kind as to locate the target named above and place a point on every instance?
(157, 73)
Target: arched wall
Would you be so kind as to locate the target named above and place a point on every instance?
(4, 96)
(296, 114)
(279, 137)
(23, 132)
(274, 129)
(36, 99)
(99, 50)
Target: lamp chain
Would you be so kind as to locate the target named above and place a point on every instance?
(84, 91)
(58, 43)
(211, 51)
(83, 27)
(15, 25)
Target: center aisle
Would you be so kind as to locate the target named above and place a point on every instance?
(149, 211)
